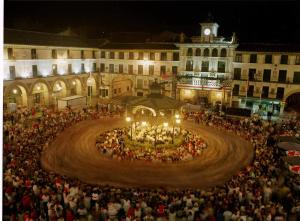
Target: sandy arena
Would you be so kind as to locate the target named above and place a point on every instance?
(73, 153)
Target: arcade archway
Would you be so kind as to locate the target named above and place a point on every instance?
(40, 93)
(17, 94)
(75, 87)
(292, 102)
(59, 89)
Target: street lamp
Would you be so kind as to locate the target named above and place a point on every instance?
(89, 84)
(129, 120)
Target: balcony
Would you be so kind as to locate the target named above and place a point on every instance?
(202, 82)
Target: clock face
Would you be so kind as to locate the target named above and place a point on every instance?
(207, 31)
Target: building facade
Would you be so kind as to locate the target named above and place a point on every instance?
(39, 68)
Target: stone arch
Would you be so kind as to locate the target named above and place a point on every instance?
(59, 89)
(40, 91)
(206, 52)
(17, 93)
(75, 86)
(136, 108)
(214, 52)
(93, 90)
(223, 52)
(291, 92)
(122, 86)
(292, 99)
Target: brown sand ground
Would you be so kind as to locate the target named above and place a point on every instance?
(73, 153)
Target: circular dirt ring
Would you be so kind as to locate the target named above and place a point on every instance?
(73, 153)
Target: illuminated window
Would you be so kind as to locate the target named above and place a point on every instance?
(54, 69)
(12, 72)
(10, 53)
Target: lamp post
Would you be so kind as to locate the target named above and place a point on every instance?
(177, 121)
(129, 120)
(89, 84)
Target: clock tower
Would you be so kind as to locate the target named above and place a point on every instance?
(209, 29)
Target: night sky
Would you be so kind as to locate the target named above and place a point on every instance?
(252, 21)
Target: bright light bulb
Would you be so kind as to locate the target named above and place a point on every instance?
(74, 83)
(178, 121)
(15, 91)
(38, 88)
(166, 124)
(128, 119)
(144, 123)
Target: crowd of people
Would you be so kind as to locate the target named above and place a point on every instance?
(113, 144)
(264, 191)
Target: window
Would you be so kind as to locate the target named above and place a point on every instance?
(131, 55)
(223, 52)
(33, 54)
(206, 52)
(265, 92)
(12, 72)
(10, 53)
(163, 56)
(82, 54)
(214, 52)
(237, 74)
(151, 69)
(250, 91)
(282, 76)
(94, 67)
(205, 66)
(296, 78)
(94, 54)
(175, 56)
(297, 59)
(253, 58)
(139, 94)
(190, 52)
(152, 56)
(130, 69)
(70, 68)
(54, 69)
(121, 55)
(68, 54)
(103, 92)
(221, 66)
(198, 52)
(268, 59)
(102, 54)
(54, 54)
(102, 67)
(235, 90)
(111, 68)
(140, 69)
(189, 65)
(284, 59)
(121, 68)
(141, 56)
(163, 70)
(238, 58)
(267, 75)
(111, 55)
(34, 71)
(251, 74)
(82, 68)
(174, 70)
(280, 93)
(139, 84)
